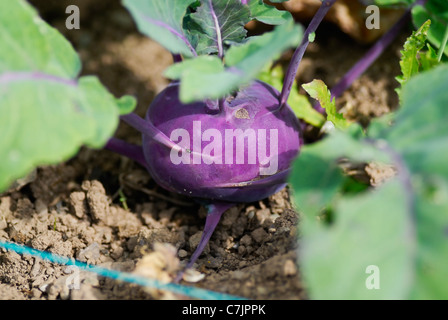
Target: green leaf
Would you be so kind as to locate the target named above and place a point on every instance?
(47, 114)
(437, 12)
(253, 55)
(420, 133)
(409, 62)
(318, 90)
(162, 20)
(126, 104)
(371, 229)
(219, 22)
(398, 227)
(201, 64)
(299, 103)
(267, 14)
(200, 76)
(429, 59)
(33, 46)
(393, 2)
(203, 77)
(432, 209)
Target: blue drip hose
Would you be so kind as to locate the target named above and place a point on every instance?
(189, 291)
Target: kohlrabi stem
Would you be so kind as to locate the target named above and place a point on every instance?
(298, 54)
(244, 1)
(372, 54)
(221, 105)
(147, 128)
(443, 45)
(214, 213)
(177, 58)
(126, 149)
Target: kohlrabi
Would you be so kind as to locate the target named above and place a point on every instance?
(215, 133)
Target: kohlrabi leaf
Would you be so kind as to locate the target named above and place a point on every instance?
(46, 112)
(202, 64)
(267, 14)
(420, 133)
(429, 59)
(319, 91)
(126, 104)
(299, 103)
(437, 12)
(33, 45)
(199, 77)
(410, 62)
(387, 242)
(218, 22)
(253, 55)
(371, 232)
(394, 2)
(203, 78)
(162, 20)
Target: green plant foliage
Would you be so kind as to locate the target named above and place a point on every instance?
(298, 103)
(268, 14)
(409, 63)
(219, 22)
(319, 91)
(243, 63)
(47, 113)
(437, 12)
(215, 28)
(398, 227)
(162, 20)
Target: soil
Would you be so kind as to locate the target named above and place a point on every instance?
(106, 210)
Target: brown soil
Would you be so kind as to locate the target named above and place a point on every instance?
(74, 208)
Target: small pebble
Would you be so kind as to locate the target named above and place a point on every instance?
(43, 287)
(289, 269)
(182, 253)
(193, 276)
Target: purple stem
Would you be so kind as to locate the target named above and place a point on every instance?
(374, 52)
(177, 58)
(298, 54)
(126, 149)
(244, 1)
(215, 211)
(147, 128)
(174, 32)
(13, 76)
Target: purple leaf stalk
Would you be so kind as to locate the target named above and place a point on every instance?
(298, 54)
